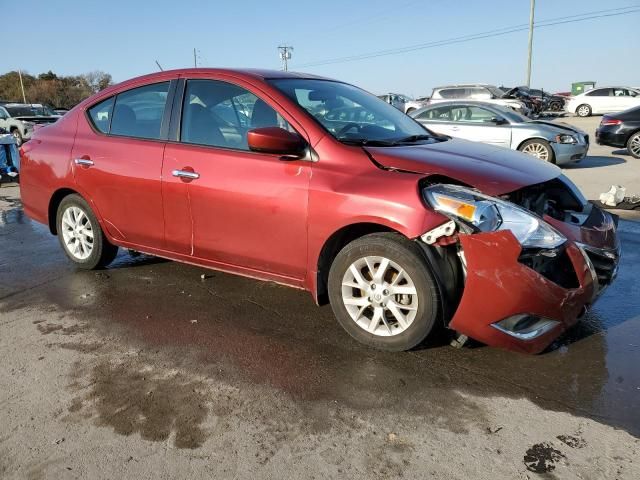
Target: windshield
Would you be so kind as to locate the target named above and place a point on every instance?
(511, 115)
(496, 92)
(352, 115)
(21, 111)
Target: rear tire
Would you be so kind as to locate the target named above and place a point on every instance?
(633, 145)
(392, 309)
(538, 148)
(80, 234)
(583, 110)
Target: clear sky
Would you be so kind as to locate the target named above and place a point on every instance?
(125, 38)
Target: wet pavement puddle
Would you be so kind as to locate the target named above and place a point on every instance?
(251, 333)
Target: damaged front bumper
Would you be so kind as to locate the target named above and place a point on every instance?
(522, 301)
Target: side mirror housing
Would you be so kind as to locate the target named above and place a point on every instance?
(276, 140)
(497, 120)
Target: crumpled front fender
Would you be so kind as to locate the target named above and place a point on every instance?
(498, 286)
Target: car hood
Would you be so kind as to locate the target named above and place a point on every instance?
(555, 126)
(492, 170)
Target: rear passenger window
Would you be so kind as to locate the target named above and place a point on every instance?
(100, 115)
(139, 112)
(601, 92)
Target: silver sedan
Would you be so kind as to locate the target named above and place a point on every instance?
(482, 122)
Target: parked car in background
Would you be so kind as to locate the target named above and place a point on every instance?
(403, 102)
(621, 130)
(401, 230)
(20, 120)
(497, 125)
(478, 92)
(603, 100)
(60, 111)
(550, 102)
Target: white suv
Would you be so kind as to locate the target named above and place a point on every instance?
(604, 100)
(479, 92)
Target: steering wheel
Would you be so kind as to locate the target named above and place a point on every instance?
(348, 127)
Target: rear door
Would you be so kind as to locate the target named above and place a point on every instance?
(223, 202)
(599, 100)
(117, 162)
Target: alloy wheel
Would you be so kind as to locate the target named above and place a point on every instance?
(584, 111)
(77, 233)
(380, 296)
(634, 146)
(537, 150)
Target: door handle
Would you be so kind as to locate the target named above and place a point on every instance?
(185, 174)
(85, 162)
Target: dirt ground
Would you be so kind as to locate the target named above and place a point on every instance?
(146, 370)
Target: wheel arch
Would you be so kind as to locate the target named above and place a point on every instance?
(332, 246)
(54, 203)
(533, 138)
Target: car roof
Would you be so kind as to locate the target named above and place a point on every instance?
(478, 103)
(466, 85)
(255, 73)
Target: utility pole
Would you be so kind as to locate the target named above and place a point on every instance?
(195, 59)
(24, 98)
(285, 55)
(531, 20)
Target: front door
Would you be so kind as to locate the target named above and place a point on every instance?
(117, 161)
(227, 204)
(479, 124)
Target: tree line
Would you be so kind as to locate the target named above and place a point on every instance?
(51, 89)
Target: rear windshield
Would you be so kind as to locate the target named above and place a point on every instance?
(21, 111)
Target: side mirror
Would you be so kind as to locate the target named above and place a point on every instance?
(276, 140)
(496, 120)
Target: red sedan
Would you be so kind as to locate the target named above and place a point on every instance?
(318, 185)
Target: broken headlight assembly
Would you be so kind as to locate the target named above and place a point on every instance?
(475, 212)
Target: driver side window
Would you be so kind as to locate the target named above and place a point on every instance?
(220, 114)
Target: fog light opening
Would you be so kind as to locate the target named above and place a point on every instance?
(525, 326)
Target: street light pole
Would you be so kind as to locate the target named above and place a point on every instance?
(531, 20)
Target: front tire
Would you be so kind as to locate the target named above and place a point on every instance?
(633, 145)
(583, 110)
(383, 292)
(538, 148)
(80, 234)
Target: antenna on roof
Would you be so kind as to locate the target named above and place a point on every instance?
(159, 66)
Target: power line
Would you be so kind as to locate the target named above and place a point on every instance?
(481, 35)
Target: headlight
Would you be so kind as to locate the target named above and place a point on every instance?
(27, 124)
(566, 139)
(488, 214)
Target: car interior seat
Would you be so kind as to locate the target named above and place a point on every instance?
(201, 127)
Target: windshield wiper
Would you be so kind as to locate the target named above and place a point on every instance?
(413, 138)
(361, 142)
